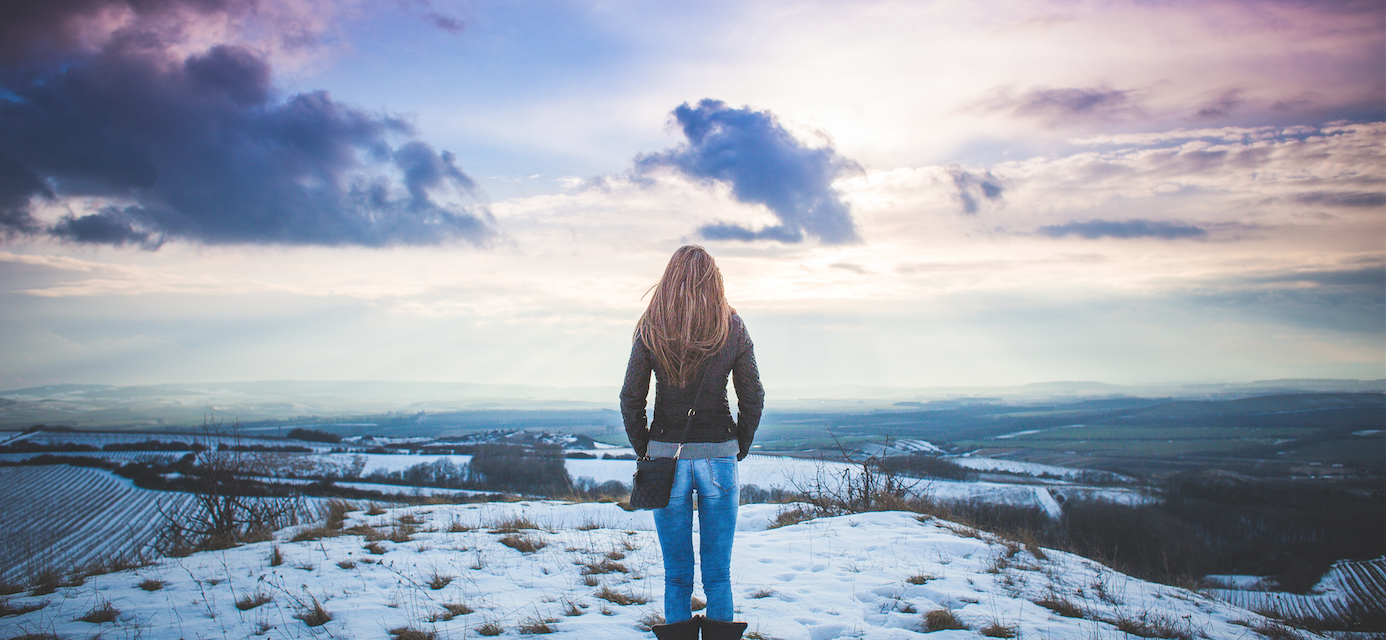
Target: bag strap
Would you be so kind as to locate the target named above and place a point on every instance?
(691, 412)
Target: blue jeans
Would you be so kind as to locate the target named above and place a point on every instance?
(718, 496)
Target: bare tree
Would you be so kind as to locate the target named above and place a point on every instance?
(231, 506)
(869, 483)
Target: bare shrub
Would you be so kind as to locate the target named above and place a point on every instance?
(537, 469)
(941, 619)
(230, 506)
(617, 597)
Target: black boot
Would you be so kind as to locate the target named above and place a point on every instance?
(686, 630)
(718, 630)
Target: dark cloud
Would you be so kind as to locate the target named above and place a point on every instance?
(197, 147)
(1095, 229)
(1063, 105)
(446, 23)
(848, 266)
(1223, 106)
(1372, 276)
(763, 163)
(973, 188)
(111, 225)
(1367, 199)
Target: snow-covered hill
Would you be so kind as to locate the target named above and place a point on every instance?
(593, 571)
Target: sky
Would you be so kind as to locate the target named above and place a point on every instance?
(902, 194)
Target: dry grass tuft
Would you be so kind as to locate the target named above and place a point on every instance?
(1061, 606)
(7, 609)
(537, 626)
(941, 619)
(604, 566)
(401, 533)
(571, 609)
(490, 628)
(315, 533)
(920, 578)
(103, 612)
(1271, 630)
(998, 630)
(252, 600)
(513, 524)
(457, 526)
(793, 516)
(438, 581)
(523, 544)
(410, 633)
(763, 592)
(649, 621)
(375, 510)
(276, 556)
(375, 548)
(347, 564)
(152, 584)
(314, 616)
(409, 519)
(1148, 626)
(616, 597)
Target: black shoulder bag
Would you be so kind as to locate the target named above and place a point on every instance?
(654, 477)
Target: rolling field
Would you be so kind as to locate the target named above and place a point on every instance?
(62, 517)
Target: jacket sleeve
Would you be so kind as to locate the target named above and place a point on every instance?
(750, 395)
(633, 394)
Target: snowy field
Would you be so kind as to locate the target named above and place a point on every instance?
(595, 573)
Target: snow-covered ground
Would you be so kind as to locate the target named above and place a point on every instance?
(875, 576)
(1020, 467)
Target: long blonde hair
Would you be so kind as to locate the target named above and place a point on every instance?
(688, 318)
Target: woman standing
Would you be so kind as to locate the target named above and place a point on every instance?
(692, 340)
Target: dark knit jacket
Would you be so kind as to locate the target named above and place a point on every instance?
(712, 420)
